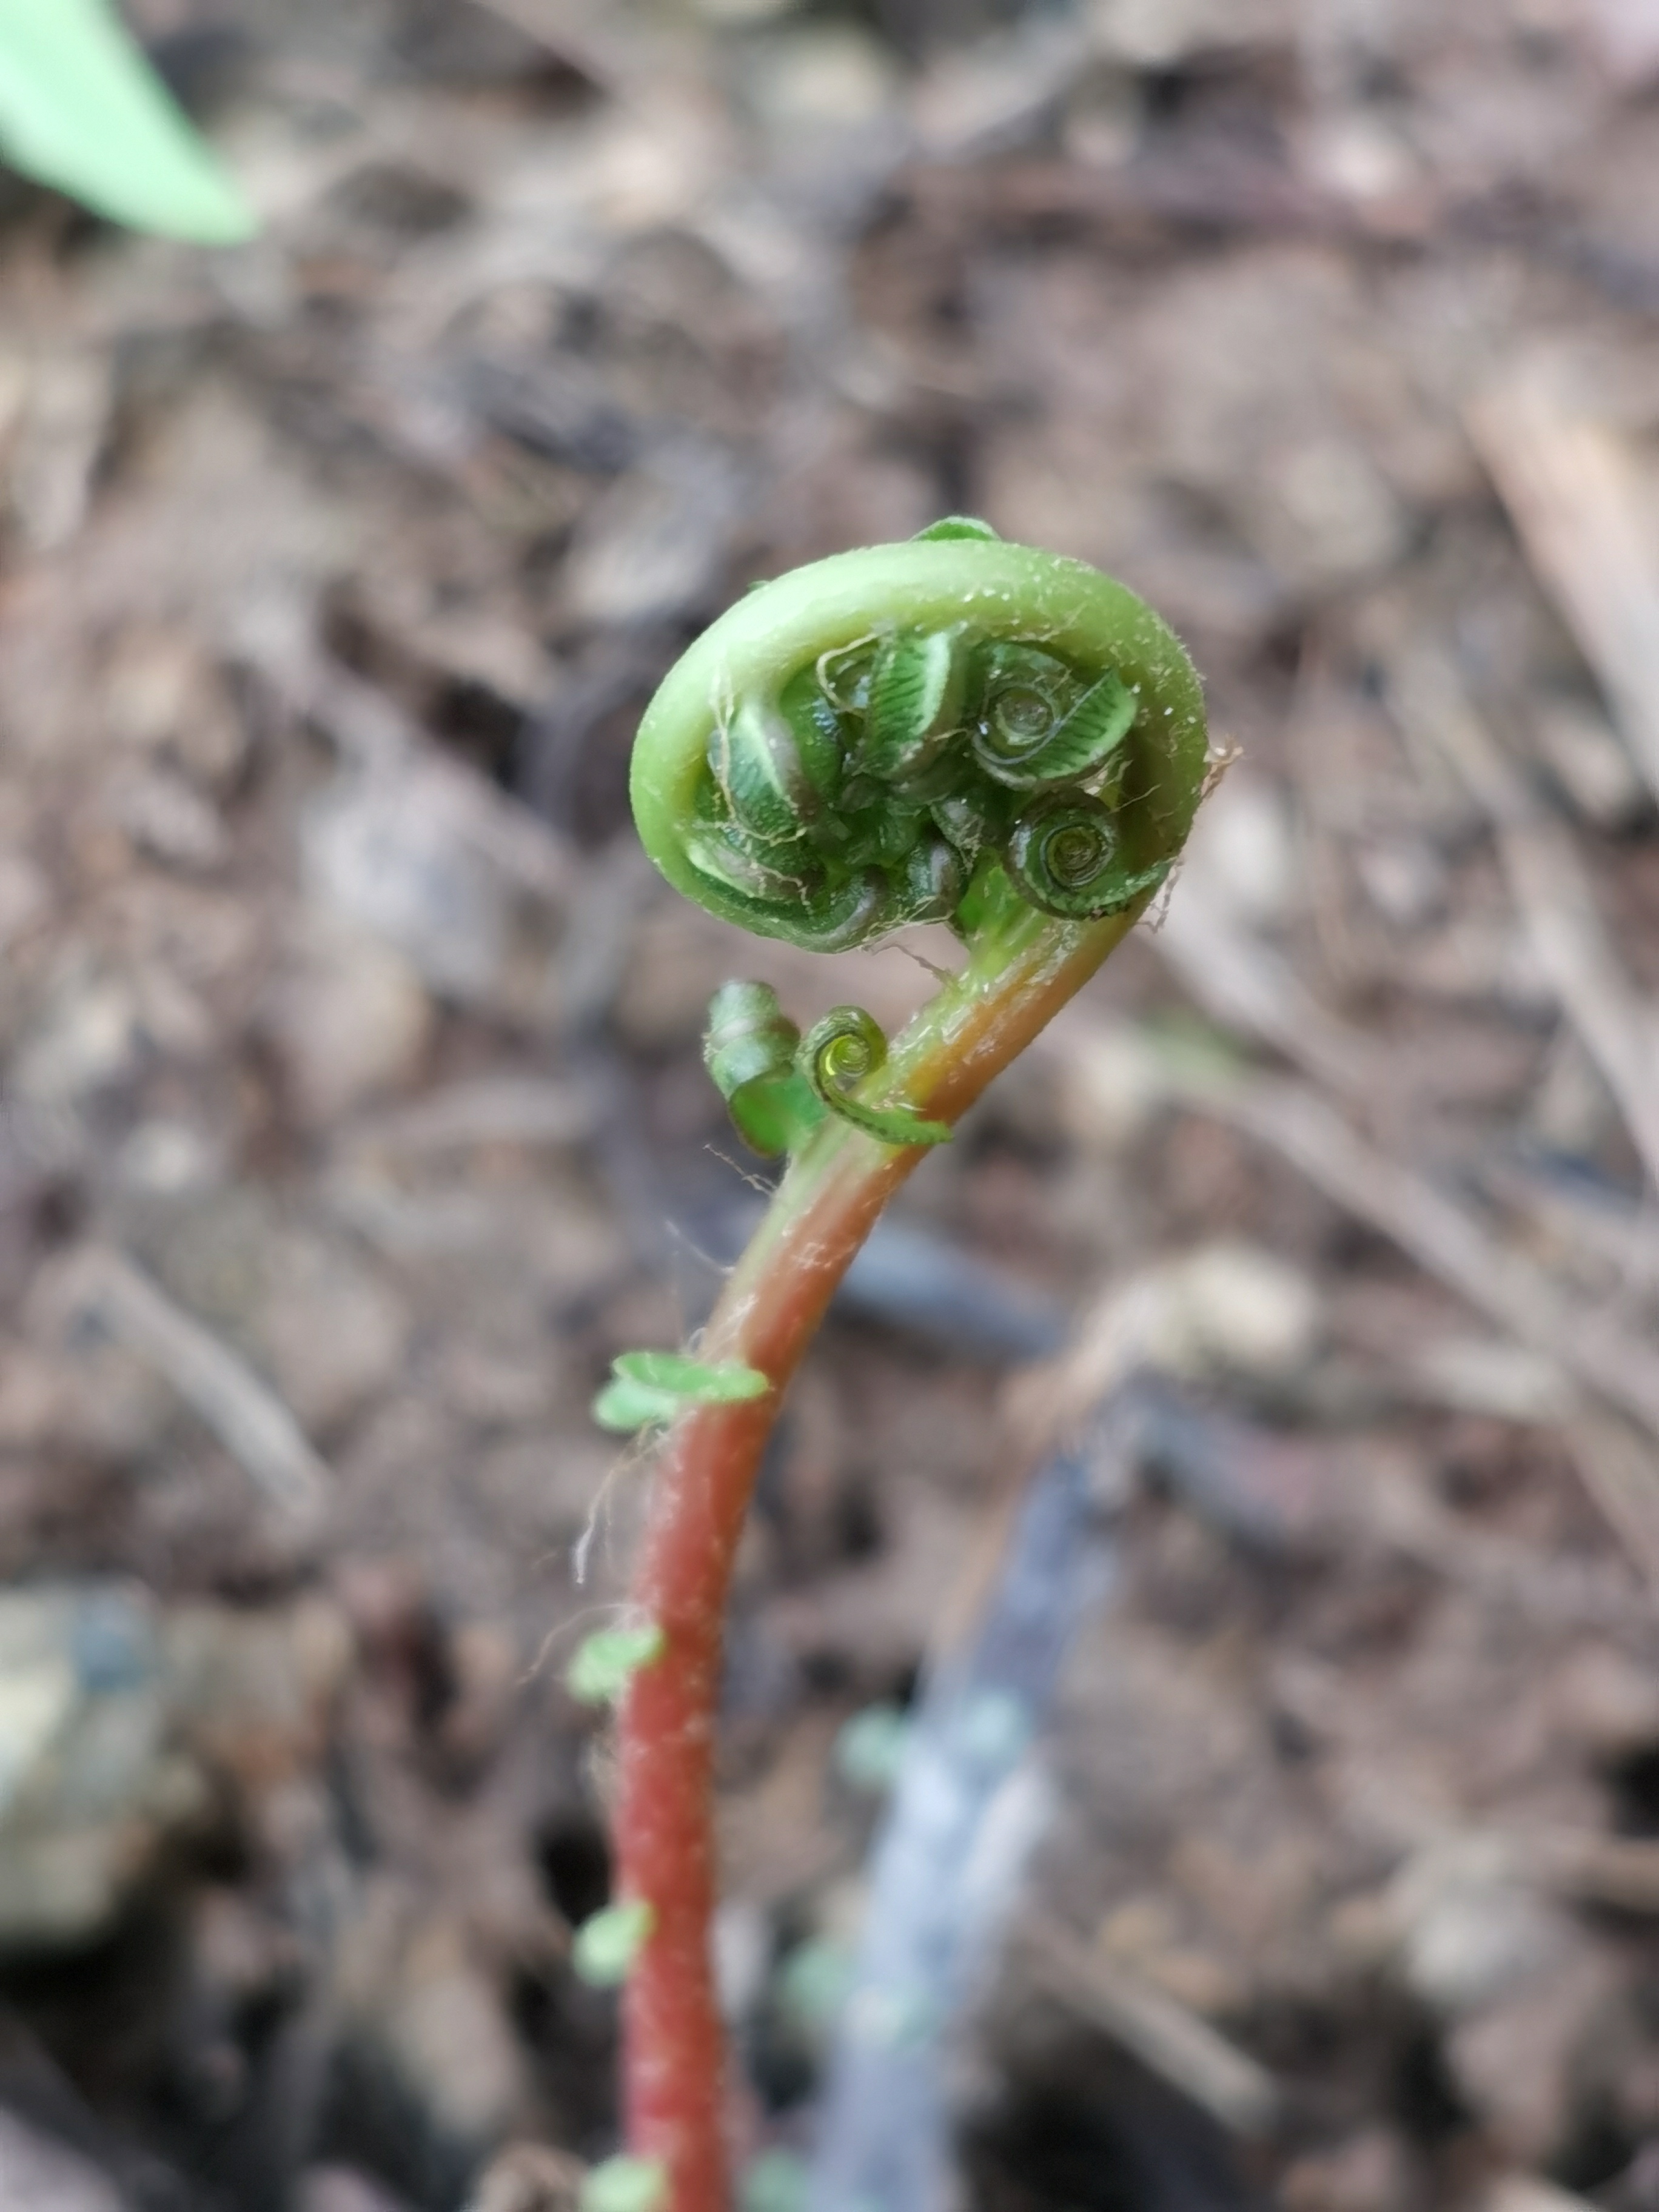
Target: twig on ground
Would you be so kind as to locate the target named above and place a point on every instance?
(1552, 891)
(245, 1413)
(947, 1864)
(1616, 1466)
(497, 1109)
(1525, 2192)
(1443, 1236)
(1173, 2041)
(1438, 1233)
(1249, 985)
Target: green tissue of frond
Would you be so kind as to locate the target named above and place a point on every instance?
(626, 2184)
(749, 1048)
(652, 1386)
(955, 525)
(779, 1085)
(607, 1945)
(81, 110)
(842, 1051)
(604, 1664)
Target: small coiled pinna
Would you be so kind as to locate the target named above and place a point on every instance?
(840, 1053)
(779, 1084)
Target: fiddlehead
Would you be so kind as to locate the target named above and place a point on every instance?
(952, 730)
(885, 737)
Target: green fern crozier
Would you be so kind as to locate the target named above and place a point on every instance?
(915, 732)
(953, 730)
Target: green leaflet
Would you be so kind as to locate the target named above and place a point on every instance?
(755, 759)
(842, 677)
(934, 878)
(80, 110)
(749, 1048)
(651, 1387)
(870, 1749)
(608, 1943)
(918, 690)
(740, 877)
(1028, 739)
(626, 2184)
(815, 1981)
(604, 1664)
(777, 2181)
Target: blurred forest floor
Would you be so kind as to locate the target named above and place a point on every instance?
(353, 1115)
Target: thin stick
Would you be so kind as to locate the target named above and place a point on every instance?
(1438, 1232)
(247, 1417)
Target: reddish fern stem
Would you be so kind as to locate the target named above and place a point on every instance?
(674, 2063)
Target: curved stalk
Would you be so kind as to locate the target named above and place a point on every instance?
(952, 729)
(826, 1206)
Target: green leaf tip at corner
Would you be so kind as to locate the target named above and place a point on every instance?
(604, 1664)
(652, 1386)
(626, 2184)
(81, 111)
(608, 1943)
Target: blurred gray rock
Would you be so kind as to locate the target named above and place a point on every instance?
(348, 1016)
(89, 1784)
(428, 2029)
(325, 1328)
(654, 545)
(40, 2175)
(343, 2189)
(169, 819)
(87, 1037)
(1002, 93)
(470, 888)
(112, 1716)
